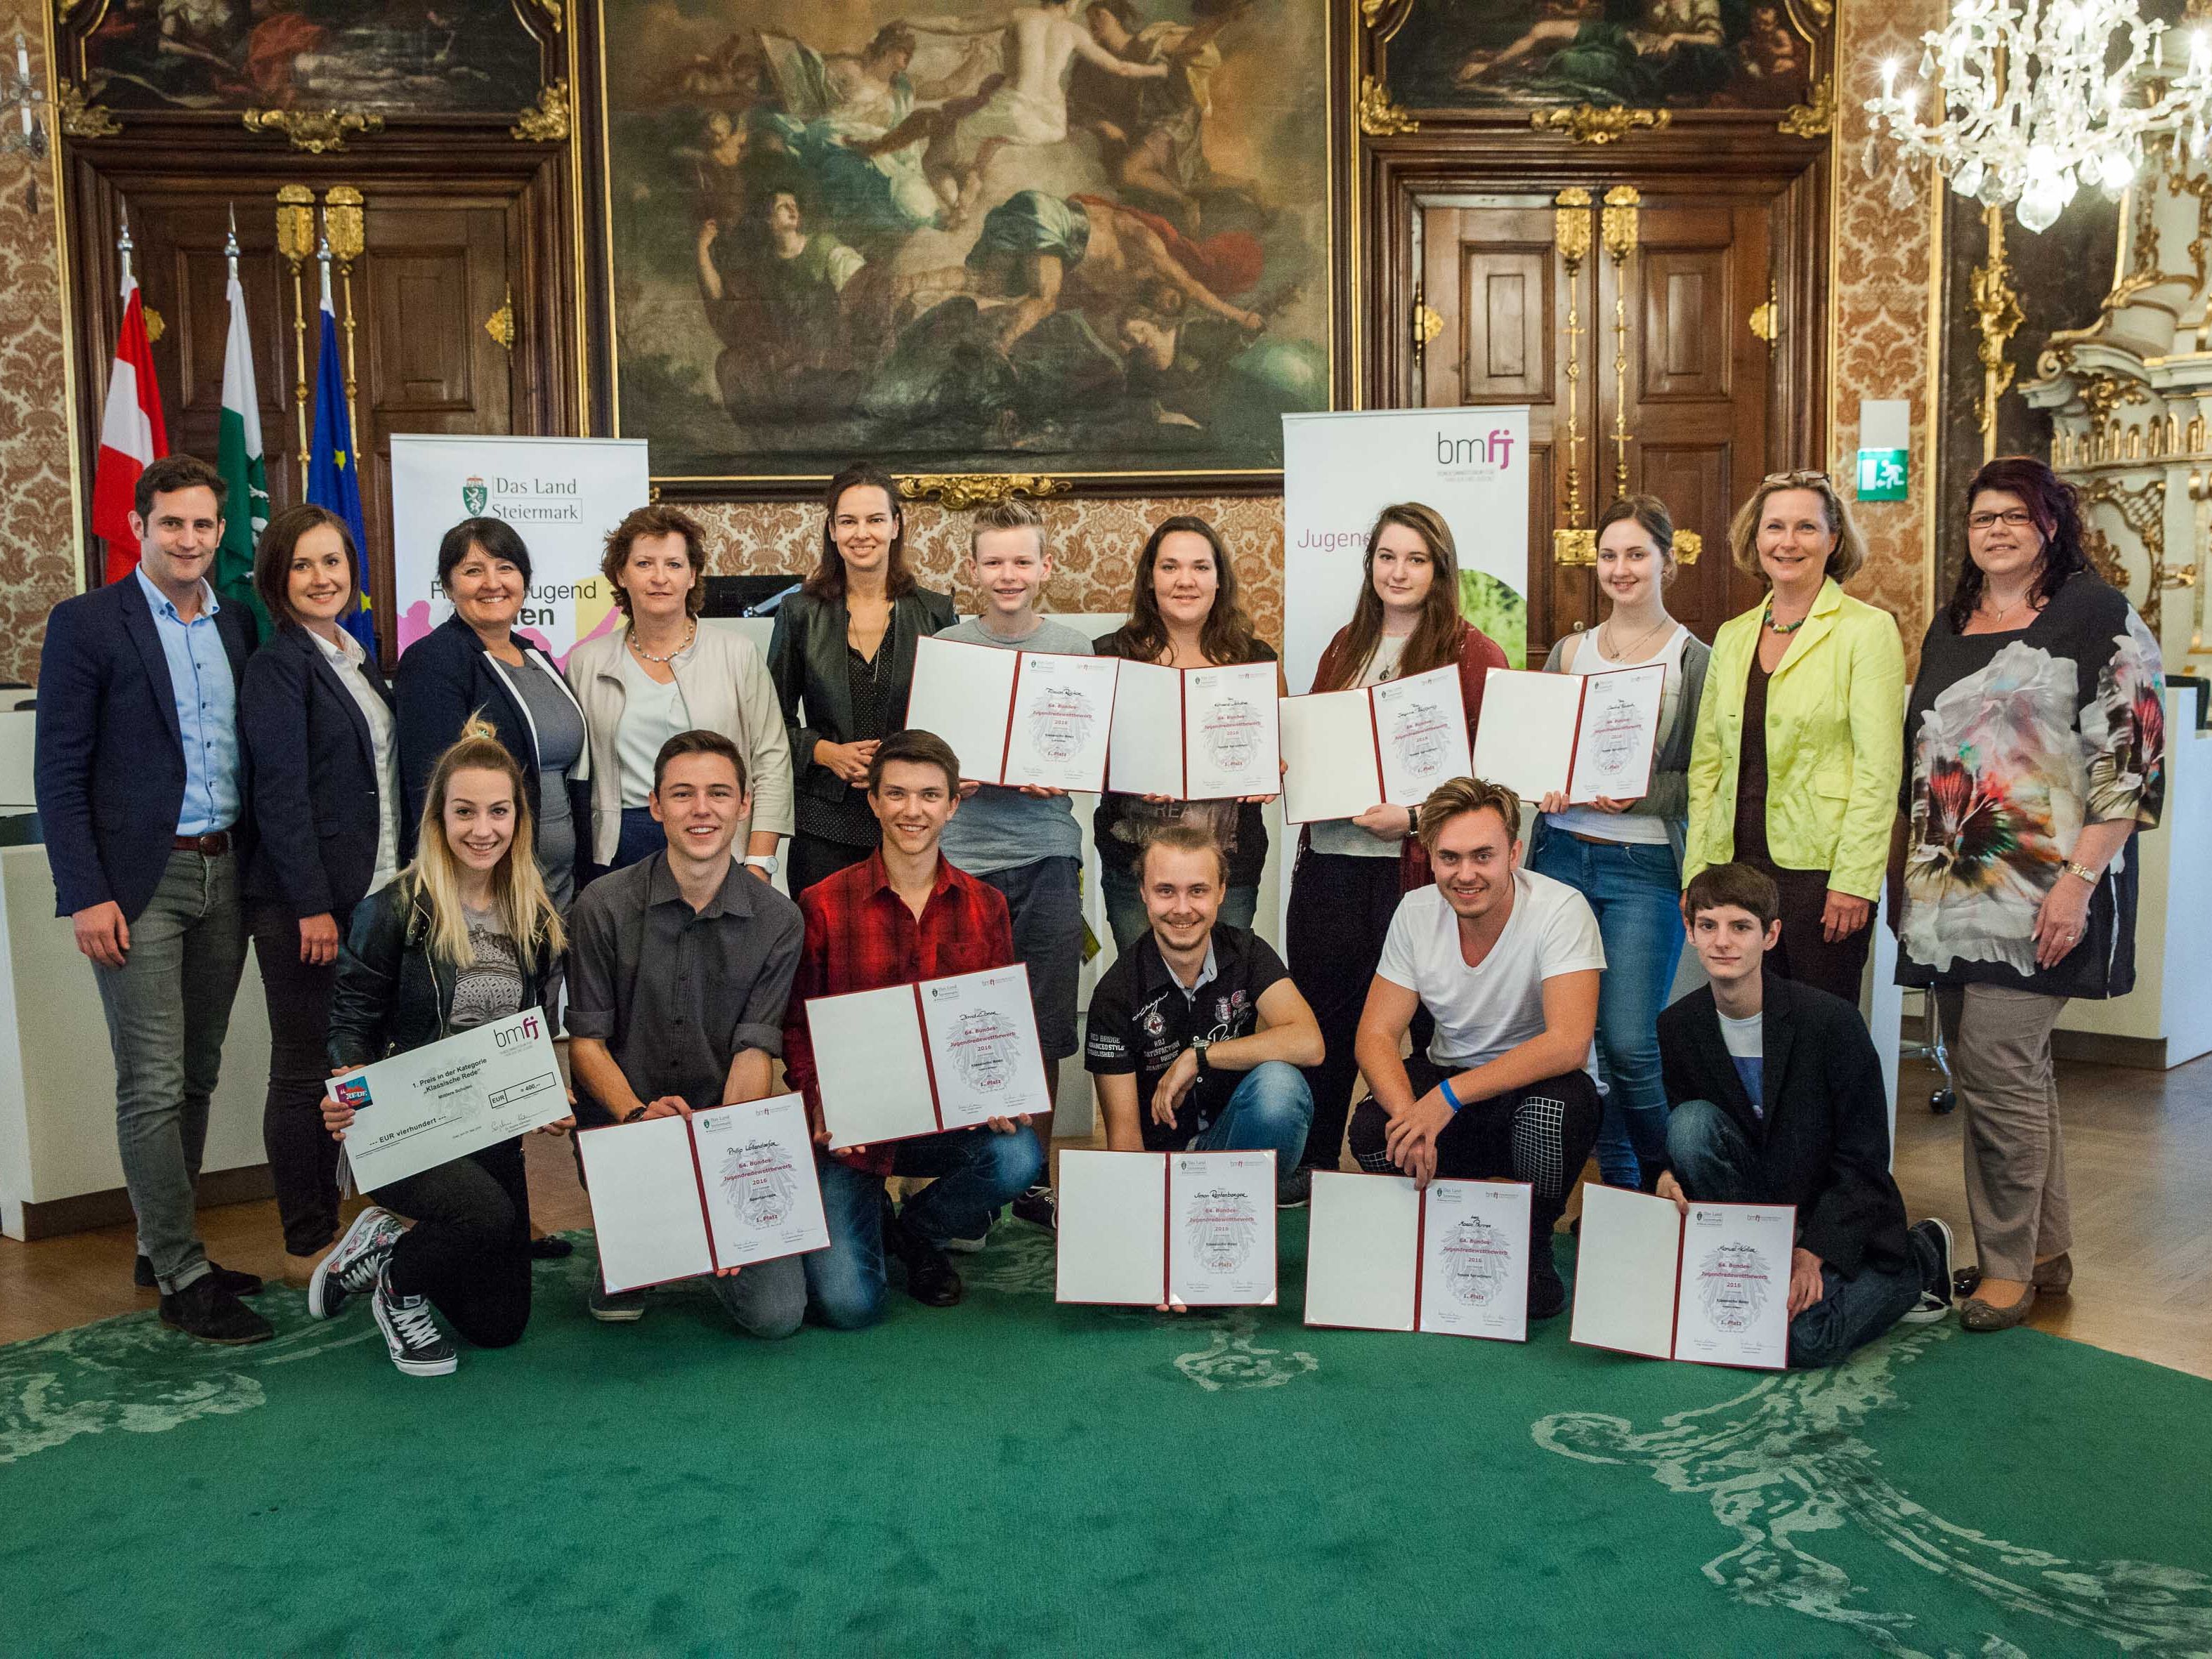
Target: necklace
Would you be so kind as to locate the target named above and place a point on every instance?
(1778, 627)
(1999, 618)
(690, 635)
(1644, 640)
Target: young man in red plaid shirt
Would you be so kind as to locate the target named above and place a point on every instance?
(901, 915)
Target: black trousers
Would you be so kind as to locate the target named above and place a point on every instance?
(303, 1159)
(810, 859)
(1541, 1135)
(1803, 954)
(1340, 911)
(468, 1249)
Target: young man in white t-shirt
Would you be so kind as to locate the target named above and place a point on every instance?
(1506, 961)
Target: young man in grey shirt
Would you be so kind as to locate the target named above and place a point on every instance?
(1024, 841)
(678, 975)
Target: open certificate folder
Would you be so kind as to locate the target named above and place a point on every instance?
(1712, 1287)
(1195, 733)
(1016, 717)
(914, 1060)
(1385, 1255)
(449, 1098)
(674, 1197)
(1345, 751)
(1149, 1228)
(1589, 735)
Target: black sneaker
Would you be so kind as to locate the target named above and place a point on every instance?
(1547, 1293)
(614, 1307)
(1040, 1207)
(552, 1248)
(354, 1262)
(930, 1277)
(418, 1347)
(238, 1283)
(1931, 1241)
(208, 1313)
(1295, 1190)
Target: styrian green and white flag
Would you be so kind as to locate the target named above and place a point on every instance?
(238, 457)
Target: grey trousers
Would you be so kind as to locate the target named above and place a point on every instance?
(168, 1011)
(2015, 1163)
(767, 1299)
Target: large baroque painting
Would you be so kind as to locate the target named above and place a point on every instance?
(377, 56)
(1067, 237)
(1646, 54)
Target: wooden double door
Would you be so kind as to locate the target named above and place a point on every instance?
(1646, 327)
(441, 259)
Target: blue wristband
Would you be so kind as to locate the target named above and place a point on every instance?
(1444, 1084)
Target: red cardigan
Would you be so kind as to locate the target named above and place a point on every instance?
(1478, 654)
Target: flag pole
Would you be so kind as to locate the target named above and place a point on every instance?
(296, 230)
(230, 243)
(123, 246)
(342, 226)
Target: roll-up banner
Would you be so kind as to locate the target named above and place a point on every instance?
(1340, 470)
(561, 495)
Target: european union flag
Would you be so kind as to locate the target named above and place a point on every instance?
(333, 471)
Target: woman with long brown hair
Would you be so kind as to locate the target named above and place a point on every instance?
(1351, 872)
(842, 660)
(467, 934)
(1184, 613)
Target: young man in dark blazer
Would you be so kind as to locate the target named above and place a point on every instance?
(141, 790)
(1776, 1097)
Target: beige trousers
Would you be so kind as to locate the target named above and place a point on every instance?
(2001, 1066)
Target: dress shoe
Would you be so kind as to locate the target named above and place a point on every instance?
(238, 1283)
(1547, 1294)
(550, 1247)
(930, 1277)
(1977, 1315)
(2051, 1277)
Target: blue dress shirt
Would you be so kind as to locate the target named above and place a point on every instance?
(207, 710)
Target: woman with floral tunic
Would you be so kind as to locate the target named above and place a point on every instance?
(2036, 734)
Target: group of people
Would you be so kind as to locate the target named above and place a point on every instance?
(487, 833)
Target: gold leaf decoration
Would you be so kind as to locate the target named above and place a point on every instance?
(957, 492)
(548, 124)
(1377, 116)
(1587, 124)
(317, 131)
(81, 119)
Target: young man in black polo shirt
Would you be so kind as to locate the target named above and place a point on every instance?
(1196, 1033)
(678, 976)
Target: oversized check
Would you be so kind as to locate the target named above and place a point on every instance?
(446, 1099)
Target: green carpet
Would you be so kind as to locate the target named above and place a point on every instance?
(1015, 1477)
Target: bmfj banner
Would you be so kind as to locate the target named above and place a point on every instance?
(561, 495)
(1340, 470)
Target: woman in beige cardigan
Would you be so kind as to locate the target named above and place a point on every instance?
(663, 674)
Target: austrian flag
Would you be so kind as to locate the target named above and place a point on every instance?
(131, 436)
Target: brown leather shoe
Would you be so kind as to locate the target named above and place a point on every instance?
(1977, 1315)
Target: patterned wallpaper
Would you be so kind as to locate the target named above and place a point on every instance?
(1095, 546)
(1879, 301)
(38, 561)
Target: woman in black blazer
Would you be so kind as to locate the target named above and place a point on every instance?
(474, 664)
(316, 720)
(843, 646)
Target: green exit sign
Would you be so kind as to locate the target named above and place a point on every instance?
(1881, 475)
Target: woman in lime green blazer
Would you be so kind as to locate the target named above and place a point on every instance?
(1801, 732)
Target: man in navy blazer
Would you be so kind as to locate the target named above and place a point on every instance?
(142, 793)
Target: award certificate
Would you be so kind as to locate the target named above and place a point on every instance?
(446, 1099)
(1386, 1255)
(1230, 745)
(1712, 1287)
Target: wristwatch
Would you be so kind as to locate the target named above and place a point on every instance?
(762, 861)
(2092, 876)
(1199, 1048)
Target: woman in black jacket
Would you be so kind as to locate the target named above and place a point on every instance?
(467, 934)
(474, 664)
(843, 648)
(315, 717)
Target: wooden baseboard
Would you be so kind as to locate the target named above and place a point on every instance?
(87, 1211)
(2103, 1049)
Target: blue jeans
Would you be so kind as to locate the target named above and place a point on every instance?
(977, 1172)
(1270, 1112)
(1125, 906)
(642, 837)
(1715, 1164)
(1636, 890)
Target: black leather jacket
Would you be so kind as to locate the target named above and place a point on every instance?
(391, 995)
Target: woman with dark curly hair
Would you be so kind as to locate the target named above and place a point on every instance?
(2035, 742)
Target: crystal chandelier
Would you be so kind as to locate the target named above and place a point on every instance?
(2033, 100)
